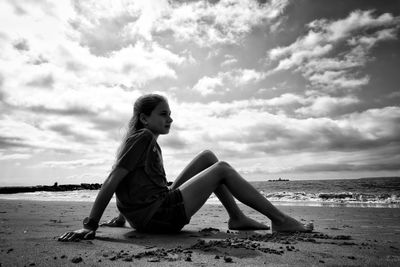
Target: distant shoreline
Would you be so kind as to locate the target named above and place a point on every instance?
(279, 180)
(48, 188)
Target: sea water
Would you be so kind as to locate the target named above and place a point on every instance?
(367, 192)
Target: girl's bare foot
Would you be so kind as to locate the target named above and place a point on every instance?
(115, 222)
(245, 223)
(291, 225)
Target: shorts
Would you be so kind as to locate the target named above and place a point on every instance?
(170, 217)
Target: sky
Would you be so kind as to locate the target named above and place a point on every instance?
(299, 89)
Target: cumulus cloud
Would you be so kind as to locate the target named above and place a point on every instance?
(326, 105)
(313, 104)
(262, 132)
(286, 99)
(223, 81)
(332, 52)
(208, 85)
(110, 25)
(223, 22)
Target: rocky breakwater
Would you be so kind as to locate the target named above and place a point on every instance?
(52, 188)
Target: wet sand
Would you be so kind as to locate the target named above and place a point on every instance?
(342, 237)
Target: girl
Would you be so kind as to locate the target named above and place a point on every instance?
(149, 205)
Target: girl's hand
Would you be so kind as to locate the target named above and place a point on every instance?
(77, 235)
(115, 222)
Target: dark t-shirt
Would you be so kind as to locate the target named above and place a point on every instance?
(144, 188)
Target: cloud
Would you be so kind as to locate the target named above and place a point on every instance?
(15, 156)
(229, 60)
(298, 54)
(7, 142)
(334, 167)
(46, 133)
(1, 87)
(174, 141)
(75, 163)
(208, 85)
(285, 99)
(51, 54)
(242, 77)
(331, 53)
(222, 82)
(46, 81)
(67, 130)
(109, 26)
(326, 105)
(394, 94)
(314, 104)
(262, 133)
(21, 45)
(337, 79)
(223, 22)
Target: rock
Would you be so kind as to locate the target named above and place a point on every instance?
(76, 259)
(228, 259)
(209, 229)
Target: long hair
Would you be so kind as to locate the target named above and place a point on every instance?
(144, 104)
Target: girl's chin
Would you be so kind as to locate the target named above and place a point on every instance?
(166, 131)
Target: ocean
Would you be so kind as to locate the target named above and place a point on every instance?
(366, 192)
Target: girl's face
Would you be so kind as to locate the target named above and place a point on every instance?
(159, 121)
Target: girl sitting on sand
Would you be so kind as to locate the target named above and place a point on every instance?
(149, 205)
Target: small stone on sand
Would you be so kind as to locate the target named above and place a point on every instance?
(227, 259)
(76, 260)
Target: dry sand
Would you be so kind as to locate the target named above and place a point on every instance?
(342, 237)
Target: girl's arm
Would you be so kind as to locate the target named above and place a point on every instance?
(103, 198)
(106, 192)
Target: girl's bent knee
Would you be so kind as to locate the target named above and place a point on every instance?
(209, 156)
(223, 165)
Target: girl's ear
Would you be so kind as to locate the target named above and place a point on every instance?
(142, 119)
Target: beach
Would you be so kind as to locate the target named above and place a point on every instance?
(343, 236)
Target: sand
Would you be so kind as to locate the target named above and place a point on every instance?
(342, 237)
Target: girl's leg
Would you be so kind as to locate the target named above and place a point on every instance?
(237, 220)
(196, 191)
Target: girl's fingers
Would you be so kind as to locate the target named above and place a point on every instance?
(64, 237)
(69, 236)
(73, 236)
(61, 237)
